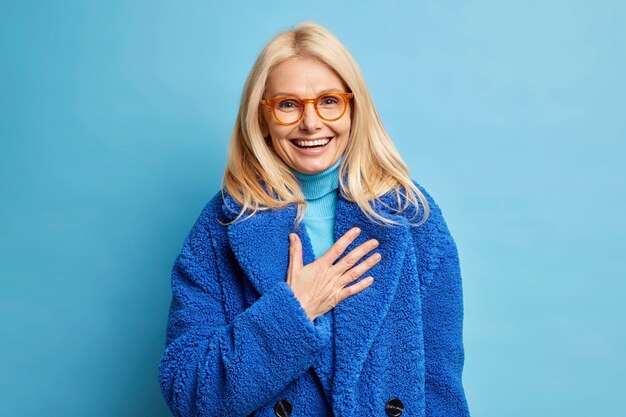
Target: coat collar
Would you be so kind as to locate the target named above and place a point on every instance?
(261, 246)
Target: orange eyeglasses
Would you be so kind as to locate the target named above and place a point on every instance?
(290, 110)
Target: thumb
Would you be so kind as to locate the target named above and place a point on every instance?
(295, 253)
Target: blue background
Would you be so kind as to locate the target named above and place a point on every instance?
(114, 122)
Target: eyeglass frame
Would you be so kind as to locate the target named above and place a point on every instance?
(271, 102)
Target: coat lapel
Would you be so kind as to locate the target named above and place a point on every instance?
(358, 318)
(261, 243)
(261, 246)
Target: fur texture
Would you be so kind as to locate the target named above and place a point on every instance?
(238, 340)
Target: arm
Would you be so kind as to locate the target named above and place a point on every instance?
(442, 315)
(211, 367)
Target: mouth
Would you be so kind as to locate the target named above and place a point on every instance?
(311, 143)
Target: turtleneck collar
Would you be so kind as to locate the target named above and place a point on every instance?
(318, 185)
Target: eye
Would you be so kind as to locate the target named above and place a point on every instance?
(329, 100)
(287, 104)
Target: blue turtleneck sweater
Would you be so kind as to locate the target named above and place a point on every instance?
(321, 193)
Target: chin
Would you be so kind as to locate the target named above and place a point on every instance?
(314, 168)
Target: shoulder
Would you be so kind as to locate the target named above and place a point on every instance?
(429, 208)
(432, 239)
(435, 219)
(213, 209)
(207, 228)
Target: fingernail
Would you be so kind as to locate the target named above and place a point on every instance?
(291, 237)
(357, 230)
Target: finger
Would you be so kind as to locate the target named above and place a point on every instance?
(356, 288)
(355, 255)
(295, 253)
(354, 273)
(340, 246)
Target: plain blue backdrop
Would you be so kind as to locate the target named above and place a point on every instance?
(114, 123)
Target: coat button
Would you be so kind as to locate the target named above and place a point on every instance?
(394, 407)
(283, 408)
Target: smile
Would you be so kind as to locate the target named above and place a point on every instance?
(316, 143)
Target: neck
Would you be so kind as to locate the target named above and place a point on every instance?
(318, 185)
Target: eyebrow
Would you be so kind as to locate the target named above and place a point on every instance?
(328, 90)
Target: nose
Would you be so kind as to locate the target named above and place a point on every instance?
(310, 121)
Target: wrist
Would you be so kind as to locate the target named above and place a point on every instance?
(305, 306)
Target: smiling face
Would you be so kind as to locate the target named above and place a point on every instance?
(306, 78)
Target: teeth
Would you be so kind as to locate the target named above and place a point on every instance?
(307, 143)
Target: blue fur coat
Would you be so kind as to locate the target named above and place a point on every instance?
(239, 343)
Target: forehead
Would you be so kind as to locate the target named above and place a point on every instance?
(302, 77)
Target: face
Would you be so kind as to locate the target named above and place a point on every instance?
(305, 78)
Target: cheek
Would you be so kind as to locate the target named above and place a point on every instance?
(279, 134)
(278, 139)
(344, 129)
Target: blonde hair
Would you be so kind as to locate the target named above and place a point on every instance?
(371, 162)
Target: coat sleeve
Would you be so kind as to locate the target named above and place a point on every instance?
(442, 316)
(211, 367)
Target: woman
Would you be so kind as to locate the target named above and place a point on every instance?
(359, 312)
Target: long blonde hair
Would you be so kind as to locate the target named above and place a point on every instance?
(371, 162)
